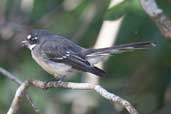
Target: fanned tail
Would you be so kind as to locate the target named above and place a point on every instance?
(119, 48)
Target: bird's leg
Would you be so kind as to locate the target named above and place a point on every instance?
(60, 79)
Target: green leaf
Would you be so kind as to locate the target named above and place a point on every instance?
(117, 11)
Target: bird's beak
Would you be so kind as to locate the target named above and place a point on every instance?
(25, 43)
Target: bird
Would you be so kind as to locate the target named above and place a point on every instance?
(61, 57)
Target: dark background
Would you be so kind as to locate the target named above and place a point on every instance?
(141, 77)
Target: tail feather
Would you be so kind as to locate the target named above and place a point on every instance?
(120, 48)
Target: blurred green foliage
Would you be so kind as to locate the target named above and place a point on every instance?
(142, 77)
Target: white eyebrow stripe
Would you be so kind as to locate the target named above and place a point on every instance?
(36, 38)
(29, 36)
(68, 52)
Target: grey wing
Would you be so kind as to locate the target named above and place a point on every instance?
(70, 56)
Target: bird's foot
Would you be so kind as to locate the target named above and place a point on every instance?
(61, 79)
(58, 80)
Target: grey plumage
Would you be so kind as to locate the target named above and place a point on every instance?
(60, 56)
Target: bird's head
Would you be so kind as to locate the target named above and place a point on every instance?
(34, 38)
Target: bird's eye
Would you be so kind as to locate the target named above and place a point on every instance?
(32, 38)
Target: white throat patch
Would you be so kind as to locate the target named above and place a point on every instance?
(32, 46)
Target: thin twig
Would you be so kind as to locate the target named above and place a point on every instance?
(21, 92)
(54, 84)
(17, 99)
(10, 76)
(157, 15)
(19, 82)
(104, 93)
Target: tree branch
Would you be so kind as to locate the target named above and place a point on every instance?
(54, 84)
(17, 99)
(86, 86)
(21, 91)
(157, 15)
(19, 82)
(10, 76)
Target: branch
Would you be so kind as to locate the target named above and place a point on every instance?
(86, 86)
(157, 15)
(16, 101)
(21, 92)
(10, 76)
(83, 86)
(19, 82)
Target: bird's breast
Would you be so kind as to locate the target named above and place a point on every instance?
(54, 68)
